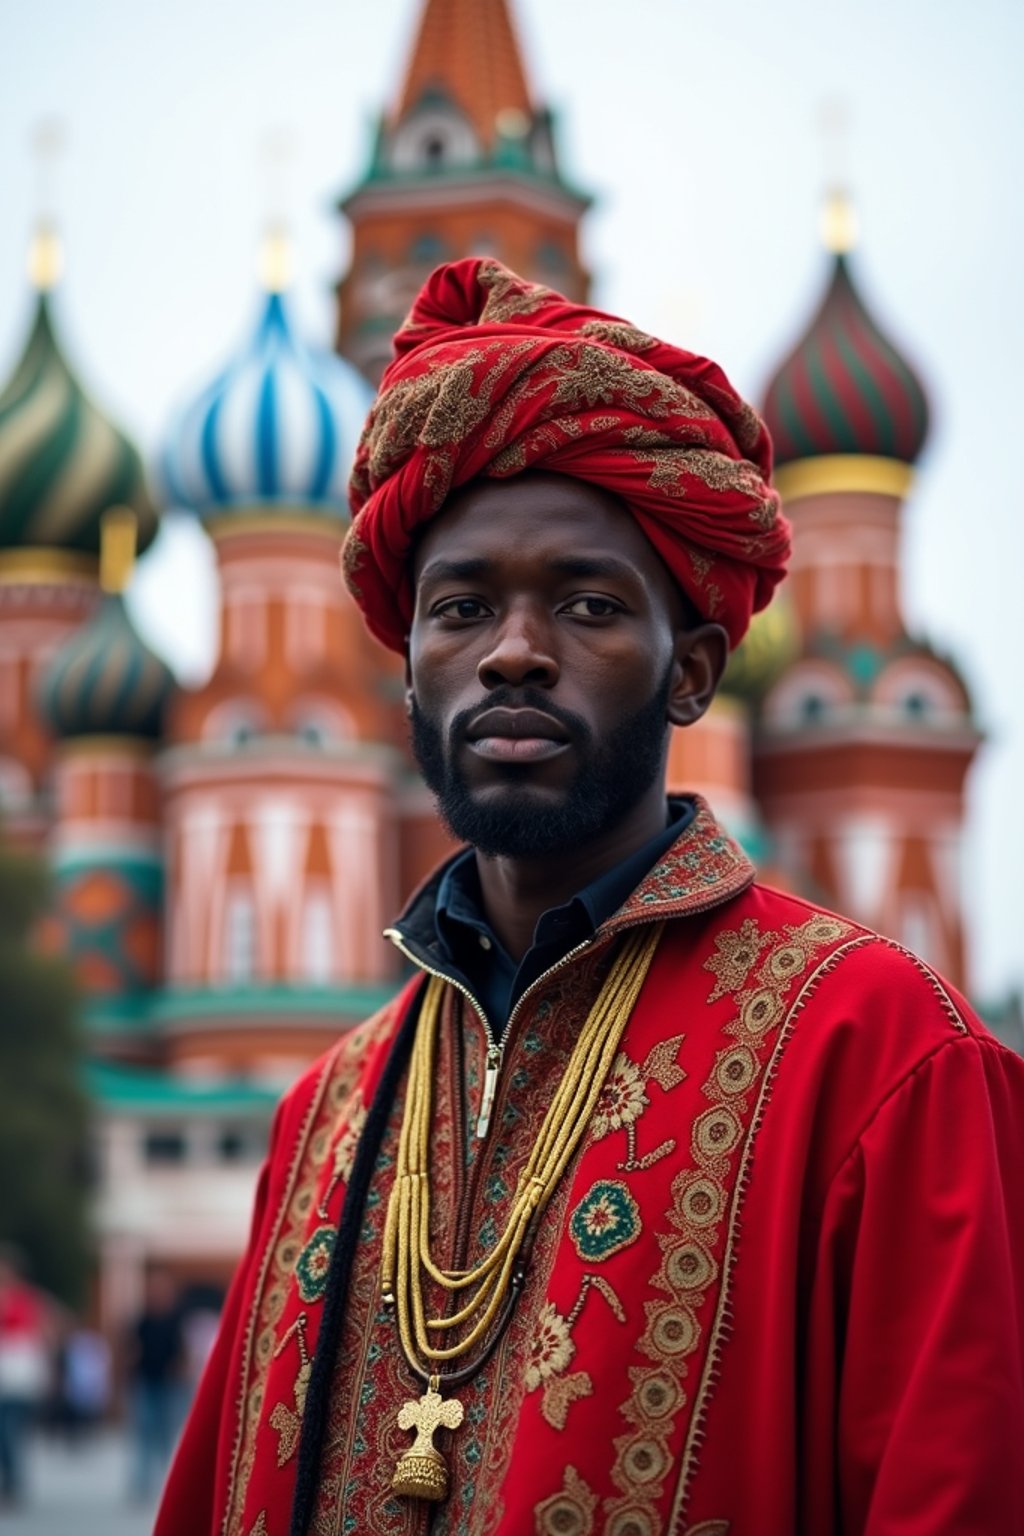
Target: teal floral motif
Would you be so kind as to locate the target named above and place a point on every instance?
(314, 1262)
(605, 1220)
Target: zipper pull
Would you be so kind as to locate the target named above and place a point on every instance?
(493, 1067)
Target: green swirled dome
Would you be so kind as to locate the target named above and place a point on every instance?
(62, 462)
(105, 681)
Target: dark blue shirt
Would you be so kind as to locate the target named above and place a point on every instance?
(468, 942)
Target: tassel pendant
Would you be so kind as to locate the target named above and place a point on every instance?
(422, 1472)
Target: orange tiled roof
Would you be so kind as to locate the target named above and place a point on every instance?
(469, 50)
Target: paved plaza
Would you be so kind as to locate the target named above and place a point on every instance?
(80, 1491)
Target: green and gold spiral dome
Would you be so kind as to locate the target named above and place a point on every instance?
(104, 680)
(63, 463)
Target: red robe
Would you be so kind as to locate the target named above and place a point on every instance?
(781, 1290)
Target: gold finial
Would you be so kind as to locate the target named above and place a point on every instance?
(275, 259)
(838, 215)
(838, 222)
(46, 257)
(118, 528)
(276, 153)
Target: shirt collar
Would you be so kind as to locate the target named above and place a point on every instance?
(459, 903)
(703, 868)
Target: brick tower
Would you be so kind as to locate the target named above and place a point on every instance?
(102, 697)
(865, 740)
(463, 163)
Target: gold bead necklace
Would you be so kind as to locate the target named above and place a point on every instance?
(495, 1280)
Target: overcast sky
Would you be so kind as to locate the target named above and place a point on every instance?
(697, 127)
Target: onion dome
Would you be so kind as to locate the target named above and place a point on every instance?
(63, 463)
(768, 648)
(104, 681)
(277, 428)
(844, 389)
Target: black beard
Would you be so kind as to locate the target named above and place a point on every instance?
(613, 777)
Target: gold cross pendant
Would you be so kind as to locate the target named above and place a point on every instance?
(421, 1472)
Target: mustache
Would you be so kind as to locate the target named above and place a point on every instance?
(520, 698)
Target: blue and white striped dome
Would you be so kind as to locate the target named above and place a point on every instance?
(278, 427)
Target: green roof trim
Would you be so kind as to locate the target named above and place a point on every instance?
(131, 1015)
(147, 1014)
(120, 1088)
(262, 1001)
(481, 170)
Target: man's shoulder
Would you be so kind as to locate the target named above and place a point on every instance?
(848, 1018)
(846, 974)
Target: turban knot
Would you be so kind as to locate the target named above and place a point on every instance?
(493, 375)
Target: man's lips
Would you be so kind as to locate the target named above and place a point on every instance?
(516, 735)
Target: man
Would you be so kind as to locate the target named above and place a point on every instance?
(658, 1201)
(155, 1349)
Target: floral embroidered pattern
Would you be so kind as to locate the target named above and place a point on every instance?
(552, 1351)
(314, 1262)
(624, 1099)
(508, 296)
(605, 1221)
(735, 956)
(568, 1513)
(552, 1348)
(620, 334)
(288, 1421)
(344, 1154)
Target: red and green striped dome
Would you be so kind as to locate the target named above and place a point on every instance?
(844, 389)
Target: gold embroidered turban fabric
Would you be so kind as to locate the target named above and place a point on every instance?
(493, 375)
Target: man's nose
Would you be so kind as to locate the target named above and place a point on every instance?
(521, 651)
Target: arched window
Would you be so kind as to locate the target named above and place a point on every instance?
(428, 250)
(811, 694)
(240, 946)
(318, 937)
(433, 138)
(234, 722)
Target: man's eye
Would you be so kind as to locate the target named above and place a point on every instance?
(591, 608)
(460, 608)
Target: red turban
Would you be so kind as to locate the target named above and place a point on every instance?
(493, 375)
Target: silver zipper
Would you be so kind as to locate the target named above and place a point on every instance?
(496, 1048)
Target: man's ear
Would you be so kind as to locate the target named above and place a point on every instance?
(408, 682)
(701, 655)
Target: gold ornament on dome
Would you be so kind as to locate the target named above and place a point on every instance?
(45, 259)
(838, 222)
(118, 532)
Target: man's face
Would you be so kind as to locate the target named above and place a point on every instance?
(543, 659)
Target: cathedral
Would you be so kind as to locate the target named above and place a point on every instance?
(226, 857)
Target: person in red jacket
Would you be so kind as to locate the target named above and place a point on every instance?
(659, 1201)
(26, 1346)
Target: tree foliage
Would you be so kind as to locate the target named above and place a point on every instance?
(43, 1107)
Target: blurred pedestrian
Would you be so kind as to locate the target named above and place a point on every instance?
(85, 1381)
(156, 1400)
(24, 1368)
